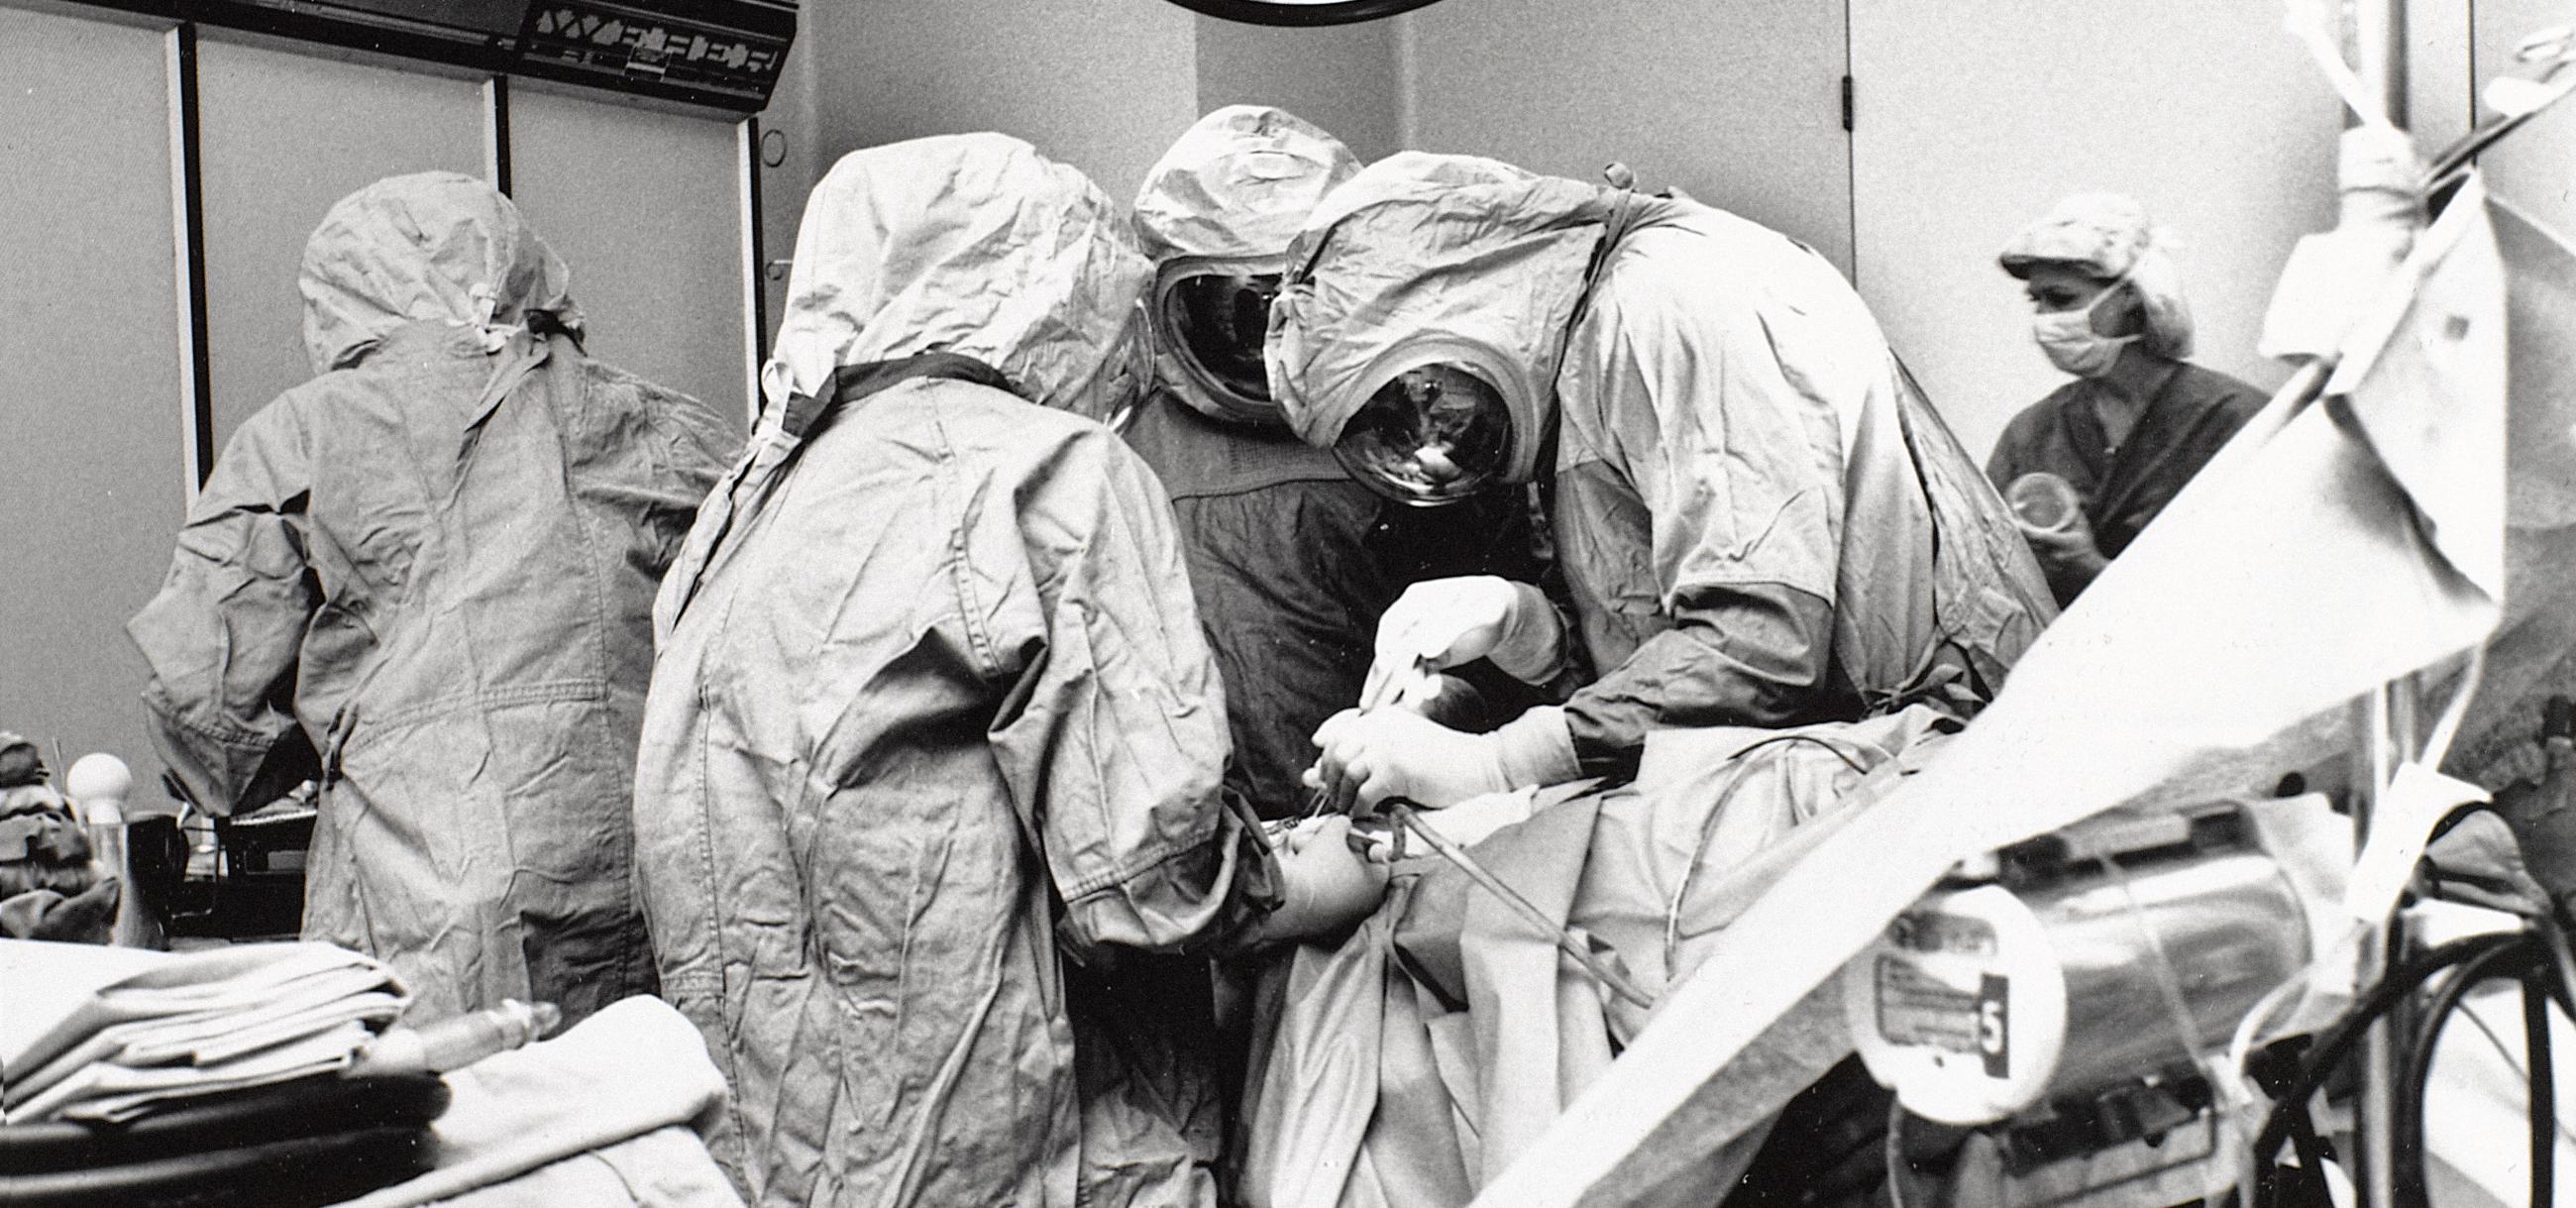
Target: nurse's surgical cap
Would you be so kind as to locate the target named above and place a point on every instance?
(1238, 185)
(2107, 236)
(431, 246)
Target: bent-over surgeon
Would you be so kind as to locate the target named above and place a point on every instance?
(1760, 520)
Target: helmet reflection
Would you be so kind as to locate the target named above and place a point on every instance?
(1435, 434)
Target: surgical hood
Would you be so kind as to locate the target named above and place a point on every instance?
(1428, 259)
(428, 247)
(1238, 185)
(1217, 214)
(973, 244)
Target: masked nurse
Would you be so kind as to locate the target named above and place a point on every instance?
(2088, 466)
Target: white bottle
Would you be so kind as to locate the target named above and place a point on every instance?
(97, 784)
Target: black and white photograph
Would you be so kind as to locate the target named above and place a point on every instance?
(1287, 603)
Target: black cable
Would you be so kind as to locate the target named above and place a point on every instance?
(2338, 1041)
(2274, 1068)
(2544, 1081)
(2527, 957)
(2407, 1172)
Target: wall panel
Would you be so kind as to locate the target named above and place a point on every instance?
(91, 403)
(284, 135)
(1737, 103)
(1340, 77)
(2534, 167)
(1976, 116)
(645, 207)
(1104, 87)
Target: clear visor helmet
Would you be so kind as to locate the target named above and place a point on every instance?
(1211, 320)
(1433, 435)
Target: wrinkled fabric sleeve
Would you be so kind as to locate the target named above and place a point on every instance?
(1114, 740)
(1721, 425)
(1742, 655)
(697, 449)
(223, 636)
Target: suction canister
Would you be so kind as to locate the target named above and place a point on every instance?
(1984, 1001)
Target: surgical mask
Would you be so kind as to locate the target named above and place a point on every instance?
(1434, 435)
(2070, 341)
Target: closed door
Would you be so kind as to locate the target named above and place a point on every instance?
(1737, 103)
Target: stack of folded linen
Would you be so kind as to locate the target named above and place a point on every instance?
(138, 1078)
(179, 1027)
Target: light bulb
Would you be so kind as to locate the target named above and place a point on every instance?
(98, 783)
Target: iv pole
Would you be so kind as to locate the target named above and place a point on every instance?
(2386, 722)
(2383, 722)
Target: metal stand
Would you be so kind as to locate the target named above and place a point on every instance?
(2388, 731)
(2384, 729)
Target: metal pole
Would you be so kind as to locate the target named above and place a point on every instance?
(2379, 45)
(2383, 722)
(2379, 52)
(2379, 732)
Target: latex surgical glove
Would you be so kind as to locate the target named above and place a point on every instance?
(1369, 757)
(1441, 623)
(1324, 885)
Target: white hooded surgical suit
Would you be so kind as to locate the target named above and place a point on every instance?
(1760, 520)
(425, 580)
(932, 720)
(1290, 559)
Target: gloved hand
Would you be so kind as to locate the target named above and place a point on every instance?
(1369, 757)
(1324, 885)
(1444, 622)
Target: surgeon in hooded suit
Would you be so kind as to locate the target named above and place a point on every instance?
(425, 580)
(1291, 559)
(1760, 520)
(934, 741)
(1766, 534)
